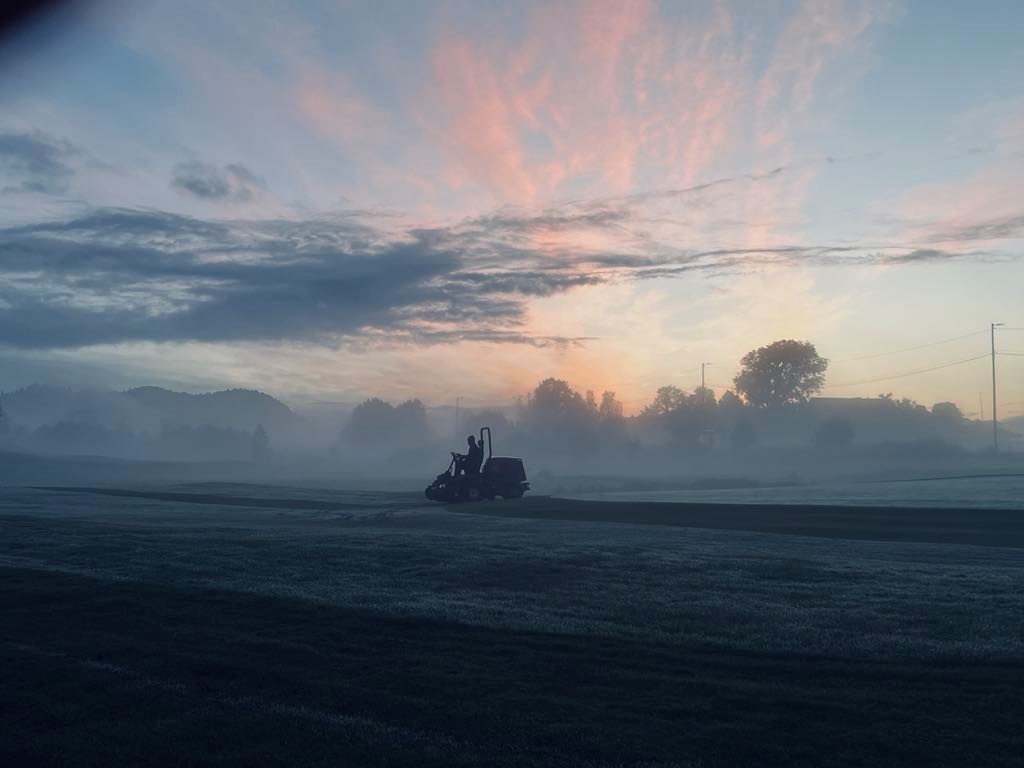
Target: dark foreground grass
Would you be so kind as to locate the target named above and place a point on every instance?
(101, 673)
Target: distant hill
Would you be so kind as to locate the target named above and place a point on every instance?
(148, 410)
(234, 408)
(40, 404)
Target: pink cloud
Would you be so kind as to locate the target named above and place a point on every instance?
(592, 99)
(480, 122)
(332, 107)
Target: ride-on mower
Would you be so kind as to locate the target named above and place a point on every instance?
(500, 476)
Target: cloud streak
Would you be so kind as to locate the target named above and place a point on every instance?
(123, 275)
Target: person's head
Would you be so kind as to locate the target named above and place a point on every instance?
(471, 440)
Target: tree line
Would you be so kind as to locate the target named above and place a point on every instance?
(767, 402)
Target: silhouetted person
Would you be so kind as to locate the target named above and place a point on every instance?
(475, 457)
(469, 463)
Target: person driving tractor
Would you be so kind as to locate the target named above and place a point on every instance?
(472, 476)
(470, 463)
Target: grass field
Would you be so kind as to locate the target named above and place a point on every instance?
(231, 625)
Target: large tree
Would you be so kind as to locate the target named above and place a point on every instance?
(667, 399)
(553, 403)
(783, 373)
(561, 416)
(375, 422)
(687, 417)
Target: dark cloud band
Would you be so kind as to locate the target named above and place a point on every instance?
(117, 275)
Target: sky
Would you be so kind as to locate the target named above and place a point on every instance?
(330, 200)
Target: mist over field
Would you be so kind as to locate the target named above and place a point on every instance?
(568, 438)
(548, 383)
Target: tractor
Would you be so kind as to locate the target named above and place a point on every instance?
(501, 476)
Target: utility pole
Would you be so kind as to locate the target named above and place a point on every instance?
(457, 417)
(702, 365)
(981, 406)
(995, 421)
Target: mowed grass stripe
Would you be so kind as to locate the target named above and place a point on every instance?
(217, 499)
(985, 527)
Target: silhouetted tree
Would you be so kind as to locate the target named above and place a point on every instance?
(4, 423)
(688, 418)
(260, 444)
(611, 420)
(557, 411)
(729, 405)
(610, 409)
(375, 423)
(411, 418)
(666, 400)
(783, 373)
(371, 420)
(948, 417)
(947, 412)
(905, 403)
(552, 402)
(703, 397)
(729, 400)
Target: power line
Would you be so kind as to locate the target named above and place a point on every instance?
(908, 373)
(1011, 354)
(911, 349)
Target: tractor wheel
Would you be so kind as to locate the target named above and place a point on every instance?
(472, 493)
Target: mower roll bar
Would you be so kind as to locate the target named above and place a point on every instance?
(490, 452)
